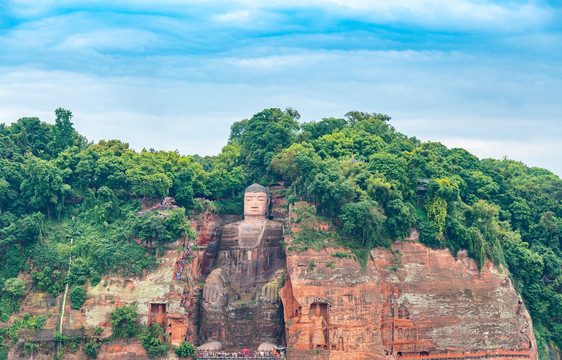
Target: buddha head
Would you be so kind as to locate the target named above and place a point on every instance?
(256, 202)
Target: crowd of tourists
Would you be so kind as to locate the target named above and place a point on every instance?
(240, 355)
(183, 301)
(181, 262)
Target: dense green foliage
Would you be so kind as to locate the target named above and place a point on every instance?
(124, 321)
(152, 342)
(371, 182)
(34, 323)
(91, 349)
(76, 297)
(185, 349)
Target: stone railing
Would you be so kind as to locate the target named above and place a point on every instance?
(233, 357)
(226, 356)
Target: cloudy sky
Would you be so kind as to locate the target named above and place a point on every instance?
(174, 74)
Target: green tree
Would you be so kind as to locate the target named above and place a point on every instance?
(287, 164)
(77, 297)
(64, 133)
(14, 287)
(124, 321)
(401, 218)
(354, 117)
(314, 130)
(42, 184)
(264, 135)
(91, 349)
(30, 134)
(549, 222)
(5, 193)
(185, 349)
(152, 342)
(364, 220)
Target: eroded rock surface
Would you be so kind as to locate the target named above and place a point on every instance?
(331, 304)
(421, 302)
(434, 302)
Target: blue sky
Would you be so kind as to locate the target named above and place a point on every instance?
(175, 74)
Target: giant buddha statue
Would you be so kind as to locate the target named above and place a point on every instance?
(240, 306)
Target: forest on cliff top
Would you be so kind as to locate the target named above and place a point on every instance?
(372, 182)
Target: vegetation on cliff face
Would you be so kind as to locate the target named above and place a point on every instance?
(373, 182)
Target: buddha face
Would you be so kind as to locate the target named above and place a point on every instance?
(255, 204)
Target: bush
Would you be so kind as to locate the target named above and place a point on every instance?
(152, 342)
(57, 336)
(123, 321)
(91, 350)
(342, 254)
(29, 347)
(185, 349)
(3, 349)
(95, 277)
(77, 297)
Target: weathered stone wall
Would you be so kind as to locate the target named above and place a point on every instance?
(348, 325)
(423, 301)
(436, 303)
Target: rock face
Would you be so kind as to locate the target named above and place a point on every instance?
(332, 307)
(409, 302)
(435, 303)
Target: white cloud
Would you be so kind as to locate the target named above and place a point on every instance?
(434, 14)
(242, 16)
(109, 40)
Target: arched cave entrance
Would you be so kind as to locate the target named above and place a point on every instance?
(157, 314)
(320, 319)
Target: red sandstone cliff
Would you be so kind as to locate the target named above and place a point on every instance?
(427, 303)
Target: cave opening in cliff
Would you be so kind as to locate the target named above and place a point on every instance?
(319, 317)
(320, 309)
(157, 314)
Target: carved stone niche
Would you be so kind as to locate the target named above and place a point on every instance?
(319, 316)
(157, 314)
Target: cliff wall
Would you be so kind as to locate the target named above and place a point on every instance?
(409, 302)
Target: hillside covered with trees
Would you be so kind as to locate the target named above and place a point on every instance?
(372, 182)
